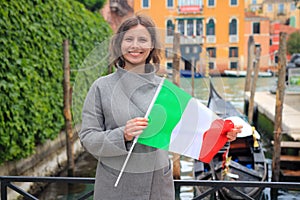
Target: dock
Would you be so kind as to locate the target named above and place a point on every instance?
(290, 161)
(290, 150)
(266, 102)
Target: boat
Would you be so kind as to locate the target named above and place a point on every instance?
(188, 74)
(240, 160)
(242, 73)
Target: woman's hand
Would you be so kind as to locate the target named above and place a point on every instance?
(231, 135)
(134, 127)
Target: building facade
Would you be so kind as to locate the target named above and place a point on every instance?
(216, 32)
(258, 27)
(283, 11)
(216, 26)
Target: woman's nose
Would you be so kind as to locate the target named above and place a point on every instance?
(135, 43)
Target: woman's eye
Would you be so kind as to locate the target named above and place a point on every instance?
(128, 39)
(143, 40)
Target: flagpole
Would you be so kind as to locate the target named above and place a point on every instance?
(136, 138)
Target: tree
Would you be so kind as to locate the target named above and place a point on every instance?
(293, 43)
(31, 73)
(93, 5)
(296, 3)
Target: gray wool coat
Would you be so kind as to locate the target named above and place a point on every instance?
(111, 101)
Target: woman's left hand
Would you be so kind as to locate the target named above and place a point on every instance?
(231, 135)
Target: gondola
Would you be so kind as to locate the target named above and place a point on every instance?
(240, 160)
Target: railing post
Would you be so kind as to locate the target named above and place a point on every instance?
(3, 190)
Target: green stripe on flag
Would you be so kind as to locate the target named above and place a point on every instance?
(164, 116)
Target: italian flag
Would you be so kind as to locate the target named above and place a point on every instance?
(181, 124)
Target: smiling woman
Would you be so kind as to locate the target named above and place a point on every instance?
(114, 114)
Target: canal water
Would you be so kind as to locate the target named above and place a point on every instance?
(231, 89)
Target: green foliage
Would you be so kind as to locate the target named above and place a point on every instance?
(293, 43)
(93, 5)
(31, 72)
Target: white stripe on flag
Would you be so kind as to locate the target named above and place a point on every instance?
(187, 136)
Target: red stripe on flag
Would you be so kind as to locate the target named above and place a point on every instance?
(214, 139)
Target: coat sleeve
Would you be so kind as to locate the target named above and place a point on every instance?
(93, 135)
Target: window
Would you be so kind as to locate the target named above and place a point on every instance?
(270, 8)
(190, 2)
(233, 27)
(145, 3)
(168, 53)
(276, 57)
(254, 2)
(211, 51)
(293, 6)
(190, 27)
(280, 9)
(170, 3)
(199, 27)
(256, 28)
(169, 65)
(170, 28)
(257, 47)
(181, 26)
(210, 27)
(211, 3)
(233, 65)
(233, 52)
(293, 21)
(233, 2)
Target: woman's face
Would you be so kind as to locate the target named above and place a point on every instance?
(136, 46)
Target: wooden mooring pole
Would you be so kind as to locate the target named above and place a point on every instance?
(67, 109)
(176, 81)
(256, 64)
(249, 63)
(278, 112)
(176, 59)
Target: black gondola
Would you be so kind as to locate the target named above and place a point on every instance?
(241, 160)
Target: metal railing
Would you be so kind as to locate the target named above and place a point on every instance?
(8, 182)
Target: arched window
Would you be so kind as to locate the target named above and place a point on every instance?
(233, 27)
(170, 28)
(210, 27)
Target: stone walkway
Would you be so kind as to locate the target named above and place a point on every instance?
(266, 103)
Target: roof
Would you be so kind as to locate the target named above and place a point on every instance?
(252, 15)
(277, 28)
(277, 1)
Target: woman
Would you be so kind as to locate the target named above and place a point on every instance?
(113, 115)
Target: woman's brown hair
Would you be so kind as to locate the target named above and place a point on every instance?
(115, 45)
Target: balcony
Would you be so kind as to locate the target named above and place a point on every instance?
(190, 9)
(281, 13)
(191, 39)
(210, 39)
(233, 38)
(186, 39)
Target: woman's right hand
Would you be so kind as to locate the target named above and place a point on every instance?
(134, 127)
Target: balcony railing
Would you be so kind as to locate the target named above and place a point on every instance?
(186, 39)
(233, 38)
(211, 39)
(8, 182)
